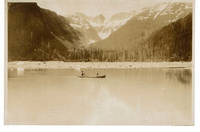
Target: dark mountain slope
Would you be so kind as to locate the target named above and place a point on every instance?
(171, 43)
(38, 34)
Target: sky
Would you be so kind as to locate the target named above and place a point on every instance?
(95, 7)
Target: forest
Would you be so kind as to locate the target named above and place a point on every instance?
(98, 55)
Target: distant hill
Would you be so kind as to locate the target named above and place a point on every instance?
(141, 26)
(38, 34)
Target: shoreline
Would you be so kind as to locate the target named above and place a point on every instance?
(23, 65)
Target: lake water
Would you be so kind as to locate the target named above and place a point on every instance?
(146, 96)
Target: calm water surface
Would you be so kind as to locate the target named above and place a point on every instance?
(138, 96)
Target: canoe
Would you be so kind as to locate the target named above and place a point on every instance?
(103, 76)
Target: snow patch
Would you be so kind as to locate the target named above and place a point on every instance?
(91, 41)
(75, 25)
(160, 9)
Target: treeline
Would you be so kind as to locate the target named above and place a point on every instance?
(142, 54)
(82, 55)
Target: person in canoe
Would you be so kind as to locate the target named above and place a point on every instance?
(100, 76)
(97, 74)
(82, 73)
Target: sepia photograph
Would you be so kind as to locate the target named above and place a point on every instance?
(99, 62)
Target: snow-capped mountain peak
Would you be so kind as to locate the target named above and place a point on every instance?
(105, 27)
(173, 9)
(80, 22)
(99, 27)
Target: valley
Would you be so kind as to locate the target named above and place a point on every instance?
(159, 33)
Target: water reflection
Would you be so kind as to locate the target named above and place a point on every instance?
(126, 96)
(182, 75)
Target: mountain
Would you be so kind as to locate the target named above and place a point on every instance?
(143, 24)
(96, 28)
(115, 22)
(97, 23)
(120, 16)
(38, 34)
(105, 27)
(100, 19)
(159, 33)
(171, 43)
(80, 22)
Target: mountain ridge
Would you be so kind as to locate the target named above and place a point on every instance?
(38, 34)
(139, 27)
